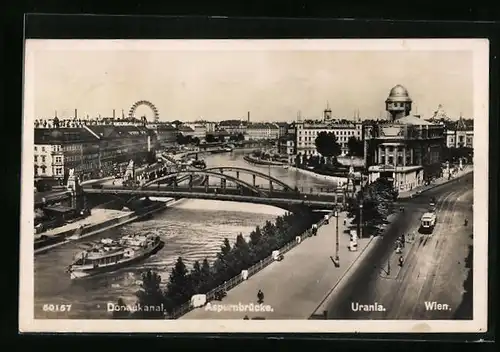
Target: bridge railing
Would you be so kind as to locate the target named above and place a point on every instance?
(235, 281)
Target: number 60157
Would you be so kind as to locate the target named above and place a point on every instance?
(56, 307)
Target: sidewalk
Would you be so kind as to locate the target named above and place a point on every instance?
(295, 286)
(440, 181)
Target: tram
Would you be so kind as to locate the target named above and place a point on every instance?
(427, 223)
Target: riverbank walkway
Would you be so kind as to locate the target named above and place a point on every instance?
(96, 217)
(295, 286)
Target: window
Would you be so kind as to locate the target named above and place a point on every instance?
(43, 149)
(35, 148)
(43, 158)
(58, 159)
(36, 158)
(43, 169)
(59, 171)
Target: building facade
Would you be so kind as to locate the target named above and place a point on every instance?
(233, 126)
(89, 147)
(404, 148)
(260, 131)
(460, 135)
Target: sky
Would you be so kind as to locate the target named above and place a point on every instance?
(224, 84)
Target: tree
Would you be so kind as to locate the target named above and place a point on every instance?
(224, 264)
(210, 138)
(151, 295)
(355, 146)
(377, 199)
(176, 123)
(196, 277)
(326, 144)
(121, 314)
(243, 258)
(195, 141)
(179, 288)
(206, 280)
(240, 137)
(181, 139)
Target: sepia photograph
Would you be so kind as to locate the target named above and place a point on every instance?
(313, 185)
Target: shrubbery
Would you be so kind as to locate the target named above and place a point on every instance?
(230, 261)
(377, 199)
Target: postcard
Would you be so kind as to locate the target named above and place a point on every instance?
(255, 186)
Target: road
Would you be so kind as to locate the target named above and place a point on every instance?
(434, 268)
(295, 286)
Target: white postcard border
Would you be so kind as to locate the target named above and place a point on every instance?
(480, 49)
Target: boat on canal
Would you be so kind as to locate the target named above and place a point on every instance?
(109, 255)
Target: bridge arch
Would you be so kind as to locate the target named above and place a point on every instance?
(252, 172)
(209, 173)
(149, 104)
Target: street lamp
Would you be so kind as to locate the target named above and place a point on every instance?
(361, 220)
(336, 260)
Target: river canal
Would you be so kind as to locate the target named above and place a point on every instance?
(193, 229)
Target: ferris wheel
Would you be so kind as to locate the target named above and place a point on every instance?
(133, 108)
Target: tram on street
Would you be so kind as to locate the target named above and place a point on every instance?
(427, 223)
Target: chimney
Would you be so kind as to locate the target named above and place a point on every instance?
(76, 113)
(248, 116)
(114, 114)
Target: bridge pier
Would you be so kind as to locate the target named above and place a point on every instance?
(223, 184)
(237, 174)
(191, 180)
(253, 180)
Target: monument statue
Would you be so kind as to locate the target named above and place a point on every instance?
(71, 172)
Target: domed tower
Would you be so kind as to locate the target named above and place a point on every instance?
(398, 104)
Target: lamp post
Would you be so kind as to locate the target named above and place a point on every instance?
(337, 237)
(361, 220)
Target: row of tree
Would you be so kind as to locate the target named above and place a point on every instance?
(184, 140)
(377, 201)
(230, 261)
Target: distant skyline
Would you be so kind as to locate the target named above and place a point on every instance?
(220, 84)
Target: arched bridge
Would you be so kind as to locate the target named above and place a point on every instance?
(255, 174)
(189, 175)
(231, 188)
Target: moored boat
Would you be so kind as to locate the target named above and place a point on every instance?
(109, 255)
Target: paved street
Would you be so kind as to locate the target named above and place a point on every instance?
(434, 267)
(295, 286)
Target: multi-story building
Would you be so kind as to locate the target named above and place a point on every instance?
(459, 135)
(287, 147)
(306, 132)
(233, 126)
(200, 130)
(404, 148)
(59, 149)
(166, 134)
(186, 130)
(283, 128)
(259, 131)
(90, 147)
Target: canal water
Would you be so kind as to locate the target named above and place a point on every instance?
(193, 229)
